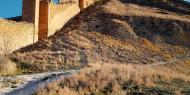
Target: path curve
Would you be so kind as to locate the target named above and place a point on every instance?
(34, 81)
(175, 60)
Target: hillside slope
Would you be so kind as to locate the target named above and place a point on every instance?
(115, 31)
(119, 79)
(179, 6)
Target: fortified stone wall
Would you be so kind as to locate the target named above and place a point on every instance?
(85, 3)
(57, 8)
(61, 14)
(88, 3)
(14, 35)
(82, 3)
(69, 2)
(44, 14)
(30, 12)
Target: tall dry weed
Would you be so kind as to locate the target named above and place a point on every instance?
(7, 67)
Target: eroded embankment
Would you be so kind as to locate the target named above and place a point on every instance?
(114, 32)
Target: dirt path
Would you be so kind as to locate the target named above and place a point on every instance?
(175, 60)
(34, 81)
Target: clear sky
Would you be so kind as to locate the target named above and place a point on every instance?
(12, 8)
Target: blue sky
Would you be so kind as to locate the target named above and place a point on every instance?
(12, 8)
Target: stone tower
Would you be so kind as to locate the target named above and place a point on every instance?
(44, 15)
(85, 3)
(37, 12)
(30, 13)
(81, 4)
(30, 9)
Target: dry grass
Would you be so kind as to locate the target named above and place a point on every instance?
(113, 79)
(119, 8)
(132, 35)
(7, 67)
(47, 62)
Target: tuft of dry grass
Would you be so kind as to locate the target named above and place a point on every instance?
(7, 67)
(114, 79)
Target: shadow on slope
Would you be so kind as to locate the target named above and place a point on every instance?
(177, 6)
(156, 30)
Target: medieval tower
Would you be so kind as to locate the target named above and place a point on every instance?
(38, 13)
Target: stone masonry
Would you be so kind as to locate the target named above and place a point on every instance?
(30, 13)
(43, 20)
(44, 17)
(39, 13)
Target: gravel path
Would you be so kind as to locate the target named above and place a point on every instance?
(33, 82)
(175, 60)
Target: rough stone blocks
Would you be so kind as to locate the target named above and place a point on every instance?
(43, 20)
(38, 12)
(30, 13)
(30, 10)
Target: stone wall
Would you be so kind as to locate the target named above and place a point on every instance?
(81, 3)
(14, 35)
(61, 14)
(44, 16)
(85, 3)
(69, 2)
(57, 8)
(46, 19)
(30, 12)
